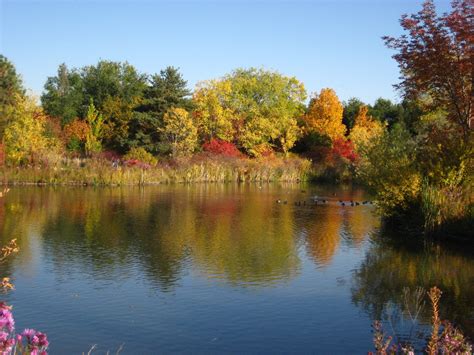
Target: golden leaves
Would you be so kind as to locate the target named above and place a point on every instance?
(325, 115)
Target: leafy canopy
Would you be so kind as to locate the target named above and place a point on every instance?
(254, 108)
(179, 132)
(435, 58)
(324, 115)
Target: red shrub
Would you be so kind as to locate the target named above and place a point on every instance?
(218, 146)
(345, 149)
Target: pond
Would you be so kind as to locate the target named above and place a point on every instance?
(217, 268)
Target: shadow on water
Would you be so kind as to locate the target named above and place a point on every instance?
(395, 261)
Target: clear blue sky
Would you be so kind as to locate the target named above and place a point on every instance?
(323, 43)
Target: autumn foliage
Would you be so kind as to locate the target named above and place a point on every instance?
(436, 58)
(324, 115)
(76, 130)
(343, 148)
(366, 129)
(221, 147)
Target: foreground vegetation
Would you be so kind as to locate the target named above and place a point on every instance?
(28, 342)
(444, 338)
(109, 124)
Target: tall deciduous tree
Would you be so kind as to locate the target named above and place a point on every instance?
(436, 58)
(179, 132)
(324, 115)
(213, 112)
(252, 107)
(63, 96)
(24, 135)
(365, 129)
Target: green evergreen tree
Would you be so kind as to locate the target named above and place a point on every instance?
(351, 109)
(166, 90)
(11, 89)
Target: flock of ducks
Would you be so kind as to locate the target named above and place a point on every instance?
(316, 201)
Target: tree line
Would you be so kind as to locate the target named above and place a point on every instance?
(111, 106)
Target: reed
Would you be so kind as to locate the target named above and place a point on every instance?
(77, 171)
(447, 209)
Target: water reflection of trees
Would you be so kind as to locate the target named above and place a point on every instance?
(332, 224)
(323, 234)
(233, 235)
(249, 241)
(390, 267)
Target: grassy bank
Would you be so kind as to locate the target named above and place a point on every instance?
(75, 171)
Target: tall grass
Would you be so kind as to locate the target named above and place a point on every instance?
(208, 168)
(448, 208)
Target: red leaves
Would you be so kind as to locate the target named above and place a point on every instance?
(342, 148)
(435, 58)
(221, 147)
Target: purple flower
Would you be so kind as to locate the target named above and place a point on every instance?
(29, 333)
(6, 344)
(3, 336)
(6, 317)
(37, 342)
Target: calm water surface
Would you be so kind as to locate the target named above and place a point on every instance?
(216, 269)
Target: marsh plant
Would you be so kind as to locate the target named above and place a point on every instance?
(444, 337)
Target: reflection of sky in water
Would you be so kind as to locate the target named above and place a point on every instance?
(205, 268)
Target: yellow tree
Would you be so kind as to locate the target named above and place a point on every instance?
(95, 120)
(365, 129)
(324, 115)
(179, 131)
(214, 117)
(255, 108)
(24, 135)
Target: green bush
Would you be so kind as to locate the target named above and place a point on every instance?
(389, 167)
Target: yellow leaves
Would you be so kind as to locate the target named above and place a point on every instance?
(252, 108)
(95, 120)
(365, 129)
(325, 115)
(290, 135)
(24, 136)
(214, 117)
(179, 131)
